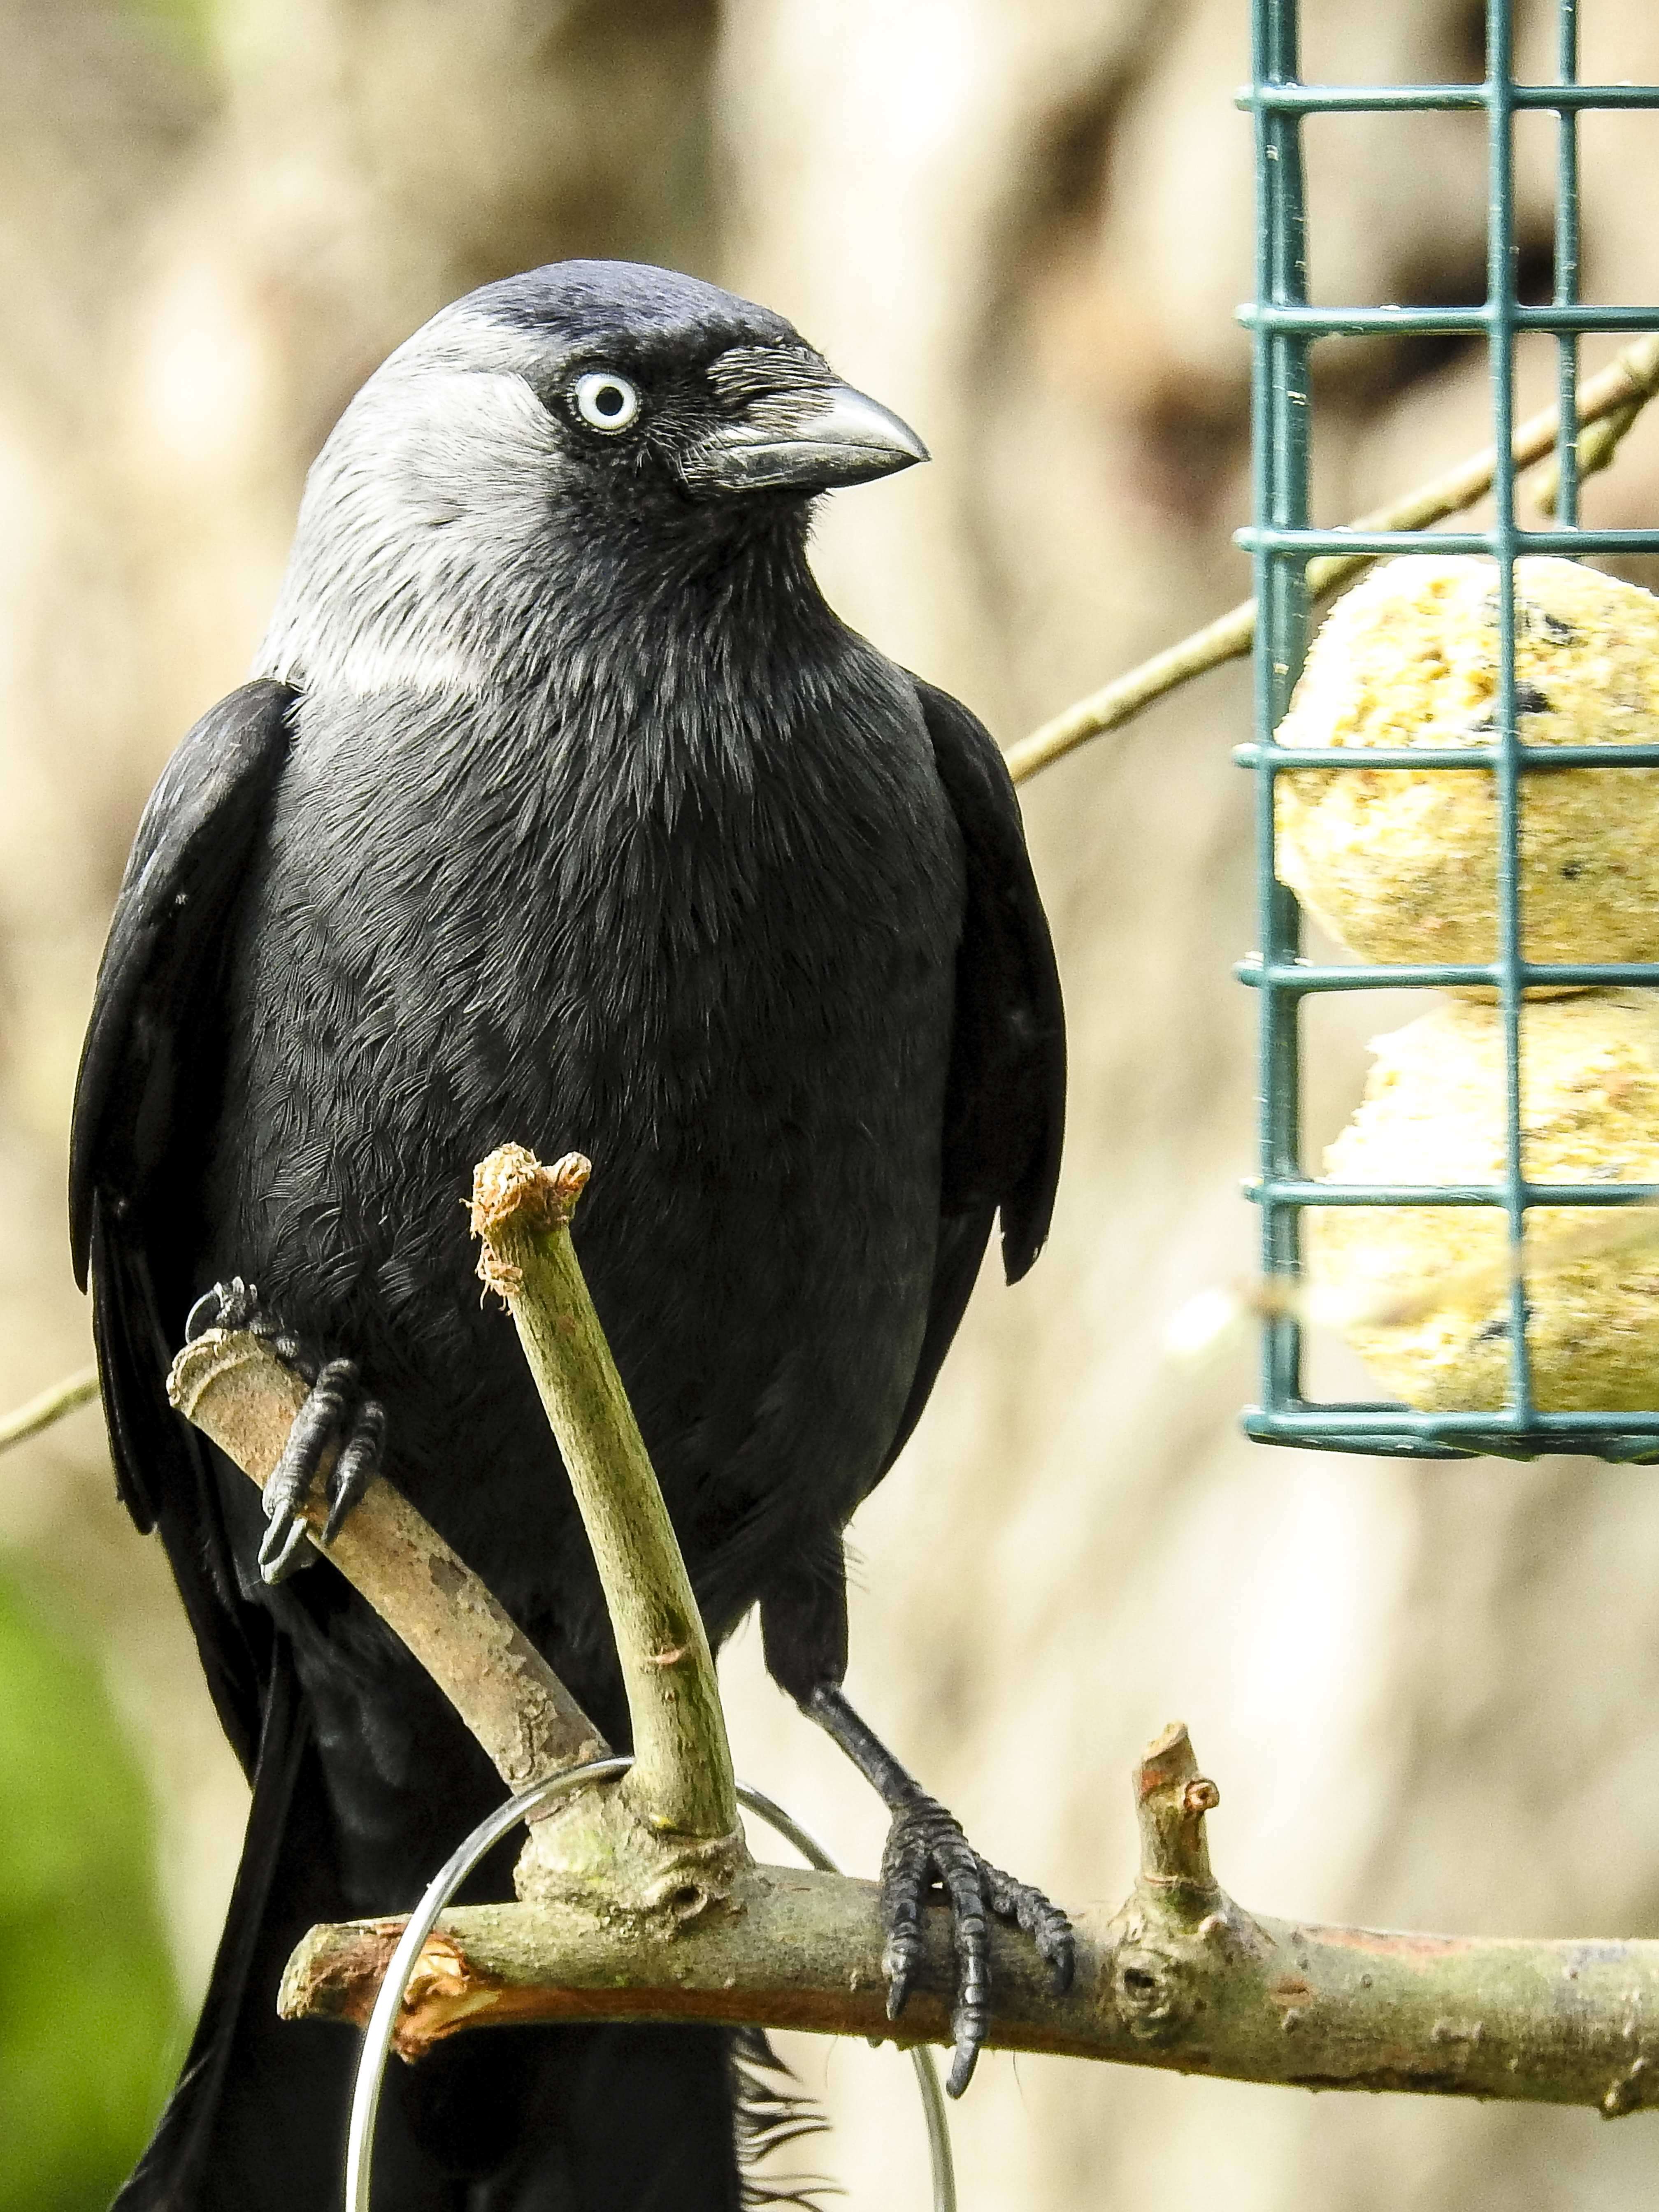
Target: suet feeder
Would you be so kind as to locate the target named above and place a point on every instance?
(1461, 828)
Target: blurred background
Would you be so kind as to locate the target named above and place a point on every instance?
(1427, 1692)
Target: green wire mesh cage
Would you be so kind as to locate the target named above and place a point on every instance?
(1284, 328)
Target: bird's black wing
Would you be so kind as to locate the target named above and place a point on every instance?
(1005, 1108)
(142, 1079)
(192, 845)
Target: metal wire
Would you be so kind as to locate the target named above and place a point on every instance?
(1283, 327)
(377, 2036)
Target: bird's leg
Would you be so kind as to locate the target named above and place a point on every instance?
(337, 1414)
(926, 1849)
(804, 1628)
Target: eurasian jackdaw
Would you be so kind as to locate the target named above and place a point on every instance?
(562, 808)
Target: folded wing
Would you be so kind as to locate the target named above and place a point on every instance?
(143, 1082)
(1005, 1111)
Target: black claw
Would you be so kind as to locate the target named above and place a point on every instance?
(1045, 1923)
(335, 1412)
(227, 1305)
(287, 1548)
(926, 1849)
(235, 1305)
(318, 1423)
(963, 2059)
(357, 1466)
(287, 1347)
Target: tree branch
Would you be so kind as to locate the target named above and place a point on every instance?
(1181, 1978)
(39, 1413)
(241, 1395)
(1611, 402)
(626, 1920)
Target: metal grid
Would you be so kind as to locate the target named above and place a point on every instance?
(1285, 327)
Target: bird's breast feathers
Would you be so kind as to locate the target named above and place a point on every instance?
(735, 938)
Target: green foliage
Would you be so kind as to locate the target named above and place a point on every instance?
(89, 2022)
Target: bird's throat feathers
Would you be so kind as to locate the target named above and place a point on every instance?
(649, 674)
(591, 620)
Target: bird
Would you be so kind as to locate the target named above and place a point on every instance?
(560, 807)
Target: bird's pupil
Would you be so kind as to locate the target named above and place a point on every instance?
(609, 399)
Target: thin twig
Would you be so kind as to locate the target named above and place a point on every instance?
(1619, 393)
(51, 1405)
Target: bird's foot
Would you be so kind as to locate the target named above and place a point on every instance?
(926, 1850)
(337, 1416)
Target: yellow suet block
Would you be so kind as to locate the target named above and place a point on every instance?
(1401, 865)
(1423, 1293)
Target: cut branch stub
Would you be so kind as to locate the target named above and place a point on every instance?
(1171, 1798)
(681, 1784)
(1165, 1935)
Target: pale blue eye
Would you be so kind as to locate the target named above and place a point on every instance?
(606, 401)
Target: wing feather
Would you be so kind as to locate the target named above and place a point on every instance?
(194, 841)
(151, 1009)
(1004, 1112)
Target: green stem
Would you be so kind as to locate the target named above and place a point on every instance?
(682, 1779)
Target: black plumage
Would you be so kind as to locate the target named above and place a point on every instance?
(563, 810)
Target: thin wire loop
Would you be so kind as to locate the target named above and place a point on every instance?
(377, 2036)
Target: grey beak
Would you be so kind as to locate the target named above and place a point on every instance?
(808, 439)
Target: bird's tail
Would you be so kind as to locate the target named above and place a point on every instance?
(209, 2149)
(773, 2112)
(618, 2118)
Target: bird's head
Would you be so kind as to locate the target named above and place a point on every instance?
(588, 411)
(658, 386)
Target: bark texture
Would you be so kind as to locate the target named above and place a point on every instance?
(1180, 1977)
(237, 1392)
(665, 1918)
